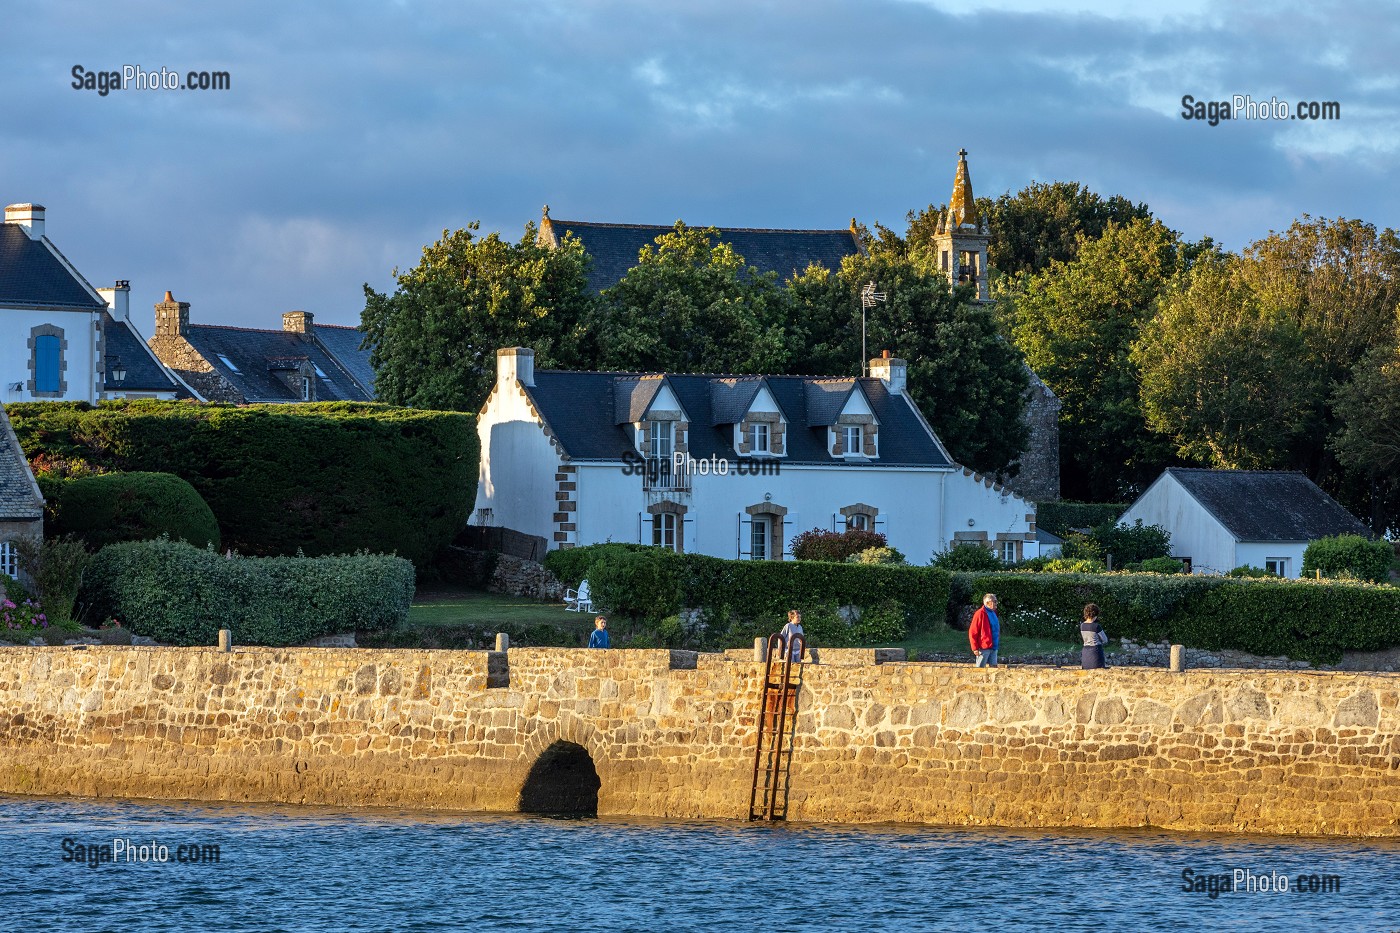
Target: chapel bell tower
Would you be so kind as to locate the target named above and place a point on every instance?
(962, 237)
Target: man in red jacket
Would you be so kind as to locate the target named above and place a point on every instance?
(984, 633)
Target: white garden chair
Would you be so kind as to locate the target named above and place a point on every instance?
(578, 600)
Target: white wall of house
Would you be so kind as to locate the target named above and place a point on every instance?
(917, 509)
(80, 357)
(518, 462)
(1195, 532)
(1258, 554)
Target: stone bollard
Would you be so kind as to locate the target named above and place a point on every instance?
(1178, 658)
(225, 640)
(760, 649)
(502, 641)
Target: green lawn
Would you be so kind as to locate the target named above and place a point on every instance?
(468, 608)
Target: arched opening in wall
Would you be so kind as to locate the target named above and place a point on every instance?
(562, 782)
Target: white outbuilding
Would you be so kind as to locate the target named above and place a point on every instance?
(1223, 519)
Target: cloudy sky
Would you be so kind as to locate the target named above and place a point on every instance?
(355, 132)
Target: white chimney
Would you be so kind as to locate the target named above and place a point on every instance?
(890, 370)
(515, 364)
(118, 299)
(28, 216)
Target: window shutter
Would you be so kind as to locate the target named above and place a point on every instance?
(744, 544)
(640, 522)
(687, 533)
(789, 521)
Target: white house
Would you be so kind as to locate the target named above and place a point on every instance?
(1222, 519)
(731, 466)
(60, 338)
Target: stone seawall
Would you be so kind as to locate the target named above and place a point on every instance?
(672, 734)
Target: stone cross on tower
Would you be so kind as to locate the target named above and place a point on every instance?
(961, 240)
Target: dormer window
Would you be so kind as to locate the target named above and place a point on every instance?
(663, 439)
(758, 438)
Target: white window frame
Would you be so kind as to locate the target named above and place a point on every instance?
(858, 449)
(9, 560)
(665, 527)
(1007, 551)
(858, 521)
(1280, 565)
(759, 430)
(662, 430)
(759, 541)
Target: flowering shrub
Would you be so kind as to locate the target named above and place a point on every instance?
(24, 618)
(834, 545)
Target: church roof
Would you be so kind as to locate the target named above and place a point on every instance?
(962, 206)
(614, 247)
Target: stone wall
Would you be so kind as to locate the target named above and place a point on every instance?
(1038, 479)
(672, 735)
(516, 576)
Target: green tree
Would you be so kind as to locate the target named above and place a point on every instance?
(692, 304)
(1224, 378)
(1368, 439)
(1038, 225)
(435, 338)
(1076, 322)
(967, 379)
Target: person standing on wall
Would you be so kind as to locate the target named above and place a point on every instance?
(789, 635)
(984, 632)
(1094, 638)
(599, 637)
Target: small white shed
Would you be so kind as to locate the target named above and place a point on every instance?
(1222, 519)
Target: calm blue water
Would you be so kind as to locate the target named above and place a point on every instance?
(312, 869)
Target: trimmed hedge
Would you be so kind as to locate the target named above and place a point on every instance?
(1303, 619)
(741, 598)
(183, 595)
(1059, 517)
(320, 478)
(1349, 556)
(114, 507)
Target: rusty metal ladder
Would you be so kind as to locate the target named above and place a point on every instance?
(777, 725)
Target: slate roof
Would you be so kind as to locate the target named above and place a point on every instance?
(614, 247)
(31, 276)
(254, 351)
(581, 410)
(730, 398)
(344, 344)
(143, 372)
(1263, 505)
(19, 495)
(825, 399)
(632, 397)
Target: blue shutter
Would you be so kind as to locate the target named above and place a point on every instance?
(46, 363)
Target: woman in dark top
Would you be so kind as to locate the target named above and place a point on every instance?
(1094, 638)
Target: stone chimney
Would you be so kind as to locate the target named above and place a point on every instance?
(890, 370)
(515, 364)
(118, 298)
(299, 322)
(28, 216)
(172, 317)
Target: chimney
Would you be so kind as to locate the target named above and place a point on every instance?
(298, 322)
(890, 370)
(118, 299)
(515, 364)
(172, 317)
(28, 216)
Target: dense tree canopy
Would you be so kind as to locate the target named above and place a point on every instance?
(691, 304)
(1077, 322)
(435, 338)
(1225, 379)
(969, 381)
